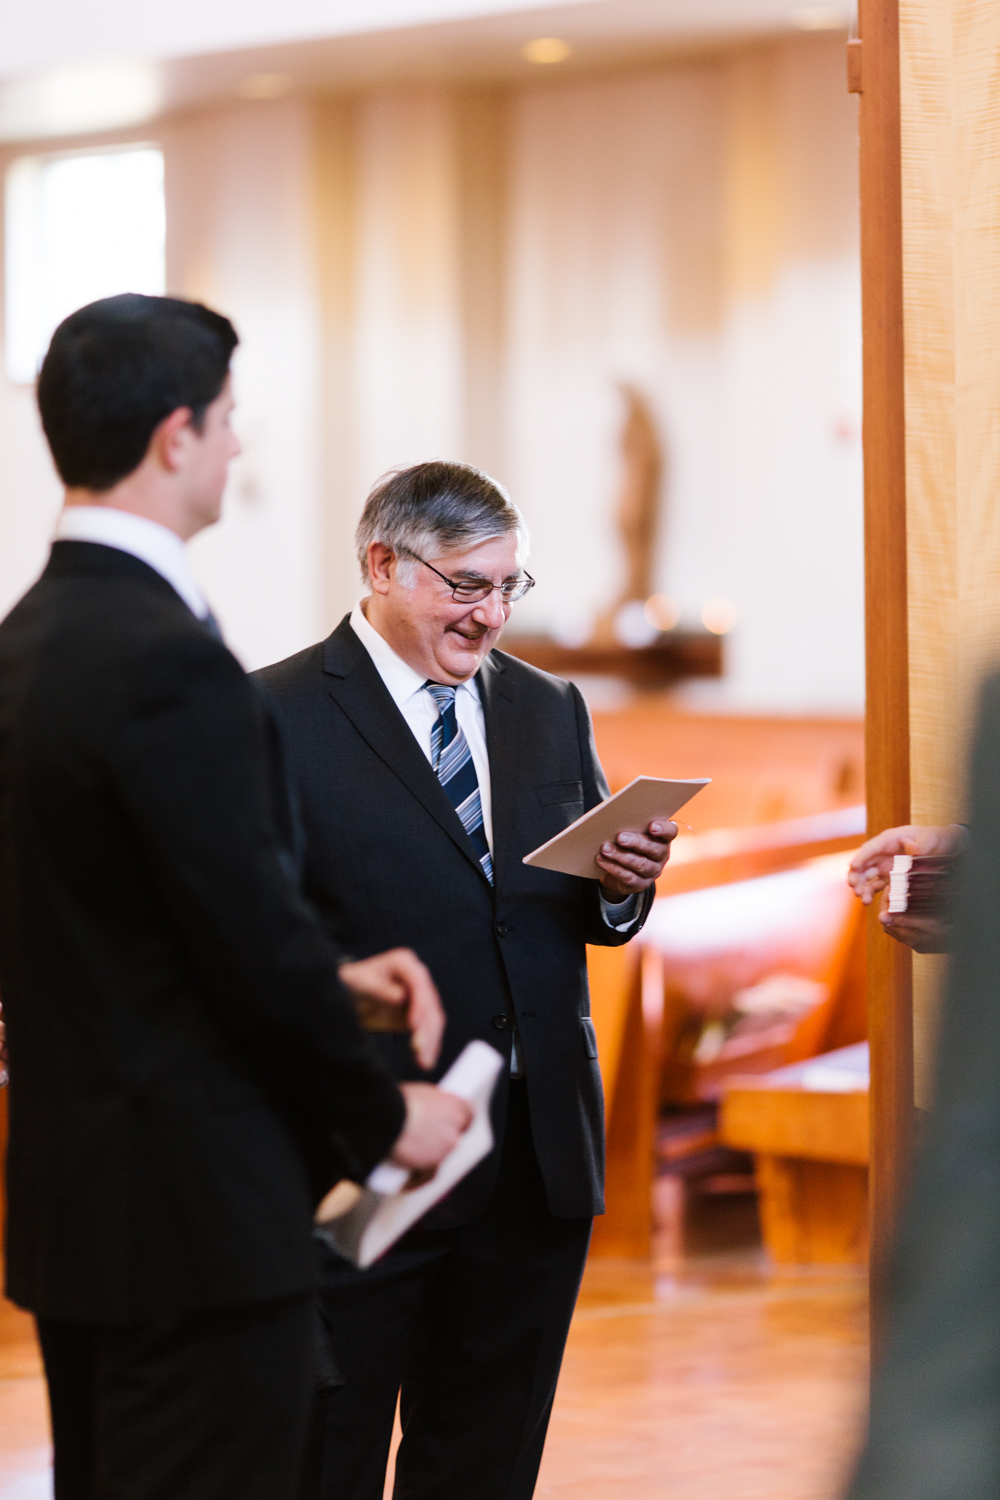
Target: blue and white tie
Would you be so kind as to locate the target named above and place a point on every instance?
(452, 760)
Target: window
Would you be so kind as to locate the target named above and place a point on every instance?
(78, 227)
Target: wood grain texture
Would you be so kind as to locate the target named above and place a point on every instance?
(626, 1228)
(887, 705)
(796, 1122)
(813, 1213)
(928, 144)
(950, 120)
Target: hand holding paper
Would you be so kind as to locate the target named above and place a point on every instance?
(631, 862)
(435, 1119)
(386, 1208)
(577, 850)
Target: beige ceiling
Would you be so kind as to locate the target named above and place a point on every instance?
(85, 93)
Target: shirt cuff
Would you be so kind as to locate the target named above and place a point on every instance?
(619, 915)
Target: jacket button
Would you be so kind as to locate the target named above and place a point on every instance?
(501, 929)
(501, 1022)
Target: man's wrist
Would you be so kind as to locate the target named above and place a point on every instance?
(619, 913)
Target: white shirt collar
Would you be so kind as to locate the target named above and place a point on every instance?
(152, 543)
(398, 676)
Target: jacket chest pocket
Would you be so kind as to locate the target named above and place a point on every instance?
(557, 793)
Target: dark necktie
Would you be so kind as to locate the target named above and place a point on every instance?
(452, 760)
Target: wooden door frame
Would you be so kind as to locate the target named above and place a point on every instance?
(874, 73)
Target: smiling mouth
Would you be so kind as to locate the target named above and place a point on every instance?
(472, 637)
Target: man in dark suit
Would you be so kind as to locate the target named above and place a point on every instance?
(187, 1073)
(428, 764)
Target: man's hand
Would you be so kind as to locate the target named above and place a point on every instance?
(868, 874)
(398, 978)
(869, 870)
(434, 1122)
(634, 861)
(924, 934)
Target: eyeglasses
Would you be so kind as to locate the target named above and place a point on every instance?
(474, 590)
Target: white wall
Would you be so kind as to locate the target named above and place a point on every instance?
(240, 236)
(407, 304)
(30, 493)
(694, 232)
(418, 274)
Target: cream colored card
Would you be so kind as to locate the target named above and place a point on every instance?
(574, 851)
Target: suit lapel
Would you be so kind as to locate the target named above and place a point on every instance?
(354, 684)
(503, 745)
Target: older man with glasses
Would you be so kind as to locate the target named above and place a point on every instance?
(428, 764)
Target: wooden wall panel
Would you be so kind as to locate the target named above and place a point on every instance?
(976, 175)
(932, 558)
(950, 117)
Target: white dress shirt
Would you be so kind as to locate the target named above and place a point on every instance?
(152, 543)
(406, 689)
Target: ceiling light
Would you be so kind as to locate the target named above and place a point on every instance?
(547, 49)
(264, 86)
(819, 18)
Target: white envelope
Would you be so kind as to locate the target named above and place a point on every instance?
(384, 1212)
(573, 851)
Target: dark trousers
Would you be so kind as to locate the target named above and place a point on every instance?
(467, 1325)
(207, 1406)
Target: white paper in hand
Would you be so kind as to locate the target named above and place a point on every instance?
(573, 851)
(384, 1211)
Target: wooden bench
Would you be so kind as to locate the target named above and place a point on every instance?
(807, 1126)
(640, 1007)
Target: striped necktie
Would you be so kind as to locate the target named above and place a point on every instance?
(452, 760)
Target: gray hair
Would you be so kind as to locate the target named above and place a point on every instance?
(436, 508)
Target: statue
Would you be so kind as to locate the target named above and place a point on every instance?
(636, 509)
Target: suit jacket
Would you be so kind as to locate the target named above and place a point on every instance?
(935, 1415)
(389, 864)
(187, 1074)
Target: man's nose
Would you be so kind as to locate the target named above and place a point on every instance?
(490, 612)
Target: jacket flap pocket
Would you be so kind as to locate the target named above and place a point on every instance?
(559, 791)
(589, 1036)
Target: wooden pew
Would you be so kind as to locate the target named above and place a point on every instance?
(764, 769)
(637, 1019)
(807, 1126)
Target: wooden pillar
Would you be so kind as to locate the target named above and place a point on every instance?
(887, 706)
(930, 200)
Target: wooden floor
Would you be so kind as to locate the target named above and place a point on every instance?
(714, 1380)
(25, 1454)
(721, 1381)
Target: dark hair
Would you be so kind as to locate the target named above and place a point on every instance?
(115, 369)
(446, 507)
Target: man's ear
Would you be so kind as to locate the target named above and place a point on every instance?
(380, 563)
(170, 439)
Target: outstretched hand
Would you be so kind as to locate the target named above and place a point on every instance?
(398, 979)
(869, 870)
(632, 862)
(868, 875)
